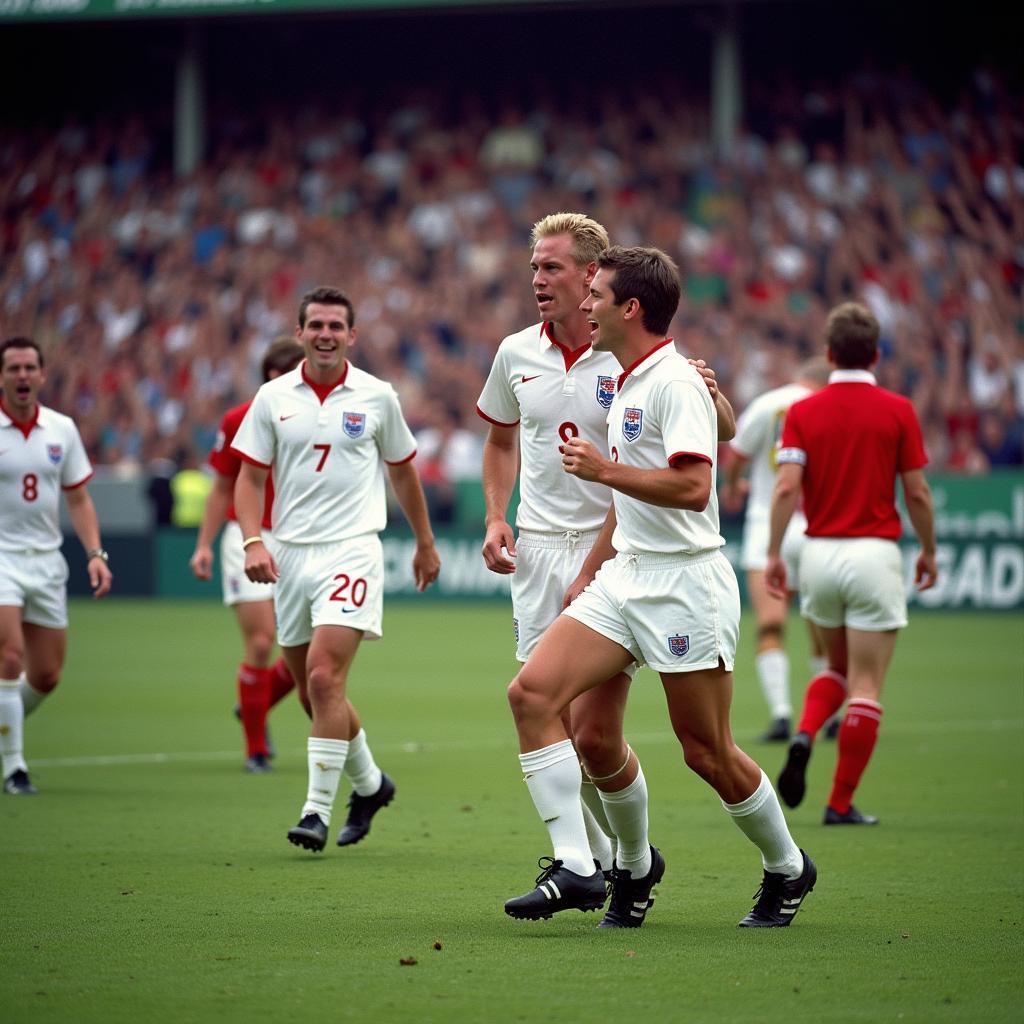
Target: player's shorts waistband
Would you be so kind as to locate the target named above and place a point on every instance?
(642, 560)
(566, 540)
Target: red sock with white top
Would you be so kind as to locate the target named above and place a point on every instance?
(857, 737)
(825, 695)
(253, 703)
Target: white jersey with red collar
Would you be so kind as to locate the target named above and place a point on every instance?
(327, 457)
(33, 472)
(663, 412)
(530, 384)
(758, 437)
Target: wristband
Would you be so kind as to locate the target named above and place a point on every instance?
(251, 540)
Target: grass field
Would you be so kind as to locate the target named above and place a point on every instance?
(151, 880)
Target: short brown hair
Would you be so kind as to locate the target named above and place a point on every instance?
(852, 334)
(284, 354)
(588, 237)
(648, 275)
(326, 296)
(21, 342)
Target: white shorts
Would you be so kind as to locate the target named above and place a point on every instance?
(37, 583)
(236, 586)
(336, 584)
(754, 556)
(676, 613)
(853, 581)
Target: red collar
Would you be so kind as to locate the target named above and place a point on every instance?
(323, 390)
(25, 426)
(629, 369)
(569, 356)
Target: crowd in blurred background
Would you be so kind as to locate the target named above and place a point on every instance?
(155, 297)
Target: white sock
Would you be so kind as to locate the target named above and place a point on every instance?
(326, 760)
(602, 845)
(818, 664)
(360, 768)
(552, 775)
(761, 820)
(31, 698)
(773, 673)
(12, 717)
(627, 814)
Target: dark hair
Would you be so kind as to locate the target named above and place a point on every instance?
(284, 354)
(852, 334)
(21, 342)
(326, 296)
(647, 275)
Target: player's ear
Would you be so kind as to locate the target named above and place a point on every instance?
(590, 272)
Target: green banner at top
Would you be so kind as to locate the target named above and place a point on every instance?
(96, 10)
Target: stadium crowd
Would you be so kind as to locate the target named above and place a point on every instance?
(155, 297)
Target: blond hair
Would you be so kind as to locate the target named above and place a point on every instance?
(589, 238)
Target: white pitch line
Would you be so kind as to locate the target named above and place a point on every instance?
(429, 747)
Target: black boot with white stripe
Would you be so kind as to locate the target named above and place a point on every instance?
(632, 898)
(558, 888)
(779, 898)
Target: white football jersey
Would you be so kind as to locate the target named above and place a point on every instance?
(327, 458)
(33, 472)
(758, 433)
(663, 410)
(530, 385)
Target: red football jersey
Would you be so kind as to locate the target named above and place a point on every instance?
(227, 463)
(853, 439)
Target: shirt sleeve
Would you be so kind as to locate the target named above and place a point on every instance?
(76, 468)
(221, 457)
(497, 402)
(686, 419)
(793, 448)
(912, 453)
(394, 441)
(255, 441)
(750, 431)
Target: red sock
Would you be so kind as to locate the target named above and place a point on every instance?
(253, 703)
(281, 682)
(857, 736)
(825, 695)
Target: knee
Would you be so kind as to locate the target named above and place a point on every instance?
(259, 648)
(322, 684)
(526, 699)
(703, 760)
(45, 682)
(597, 746)
(12, 662)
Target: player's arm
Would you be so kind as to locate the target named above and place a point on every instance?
(260, 566)
(82, 513)
(500, 466)
(918, 497)
(214, 513)
(405, 481)
(733, 488)
(785, 499)
(723, 408)
(596, 557)
(685, 485)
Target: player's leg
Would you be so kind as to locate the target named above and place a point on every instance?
(570, 659)
(256, 624)
(12, 713)
(372, 788)
(699, 704)
(771, 660)
(870, 654)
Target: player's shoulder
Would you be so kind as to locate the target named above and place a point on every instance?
(51, 419)
(367, 383)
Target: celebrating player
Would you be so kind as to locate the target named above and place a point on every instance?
(260, 684)
(327, 429)
(41, 454)
(667, 597)
(843, 449)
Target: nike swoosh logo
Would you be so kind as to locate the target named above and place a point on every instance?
(290, 416)
(528, 379)
(348, 611)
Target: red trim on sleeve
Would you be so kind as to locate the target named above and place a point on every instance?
(678, 457)
(497, 423)
(632, 366)
(81, 483)
(252, 462)
(402, 462)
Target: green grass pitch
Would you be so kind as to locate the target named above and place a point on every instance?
(151, 881)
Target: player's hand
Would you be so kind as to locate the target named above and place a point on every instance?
(201, 562)
(100, 577)
(581, 458)
(708, 374)
(926, 571)
(260, 566)
(734, 494)
(499, 549)
(775, 577)
(426, 565)
(576, 588)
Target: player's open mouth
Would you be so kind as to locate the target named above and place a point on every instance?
(543, 298)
